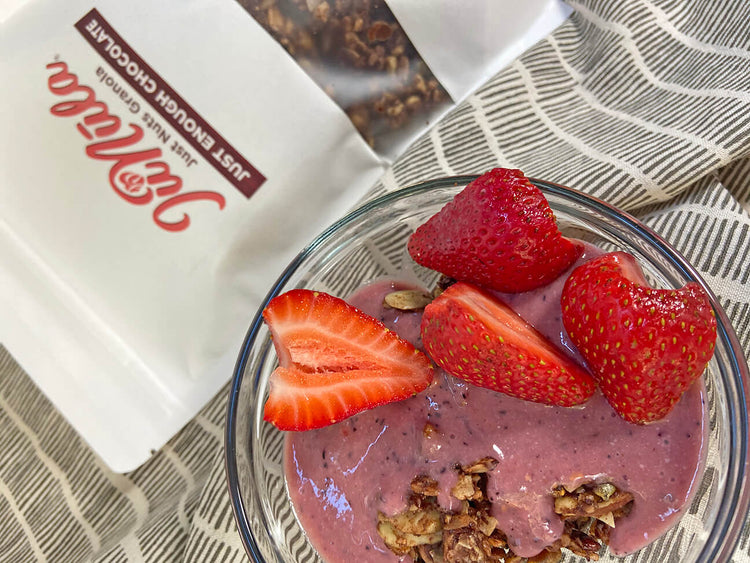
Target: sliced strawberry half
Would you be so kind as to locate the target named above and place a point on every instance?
(476, 337)
(498, 232)
(645, 346)
(335, 361)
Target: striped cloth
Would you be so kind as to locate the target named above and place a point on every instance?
(643, 103)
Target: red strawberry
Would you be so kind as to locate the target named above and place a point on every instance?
(335, 361)
(498, 232)
(478, 338)
(645, 346)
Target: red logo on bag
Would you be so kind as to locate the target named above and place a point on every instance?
(133, 183)
(137, 174)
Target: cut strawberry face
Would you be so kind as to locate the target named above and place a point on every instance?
(335, 361)
(499, 233)
(645, 346)
(476, 337)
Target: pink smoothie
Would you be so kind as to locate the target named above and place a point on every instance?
(341, 476)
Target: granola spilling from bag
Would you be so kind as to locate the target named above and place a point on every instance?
(428, 534)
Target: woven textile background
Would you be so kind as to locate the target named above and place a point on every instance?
(645, 104)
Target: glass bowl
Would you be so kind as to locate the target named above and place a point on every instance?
(370, 243)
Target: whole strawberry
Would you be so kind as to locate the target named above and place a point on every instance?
(476, 337)
(645, 346)
(498, 232)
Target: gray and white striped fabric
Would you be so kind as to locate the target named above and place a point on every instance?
(643, 103)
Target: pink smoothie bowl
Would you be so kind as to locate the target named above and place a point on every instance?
(370, 244)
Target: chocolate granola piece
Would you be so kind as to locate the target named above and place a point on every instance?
(443, 283)
(467, 487)
(425, 486)
(589, 513)
(585, 502)
(432, 553)
(484, 465)
(429, 534)
(472, 535)
(579, 542)
(420, 524)
(465, 544)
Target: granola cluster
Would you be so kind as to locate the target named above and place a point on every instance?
(429, 534)
(359, 54)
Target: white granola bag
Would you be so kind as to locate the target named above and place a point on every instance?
(163, 161)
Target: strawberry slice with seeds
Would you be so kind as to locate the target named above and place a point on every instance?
(335, 361)
(476, 337)
(498, 232)
(645, 346)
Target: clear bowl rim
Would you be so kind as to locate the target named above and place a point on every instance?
(729, 521)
